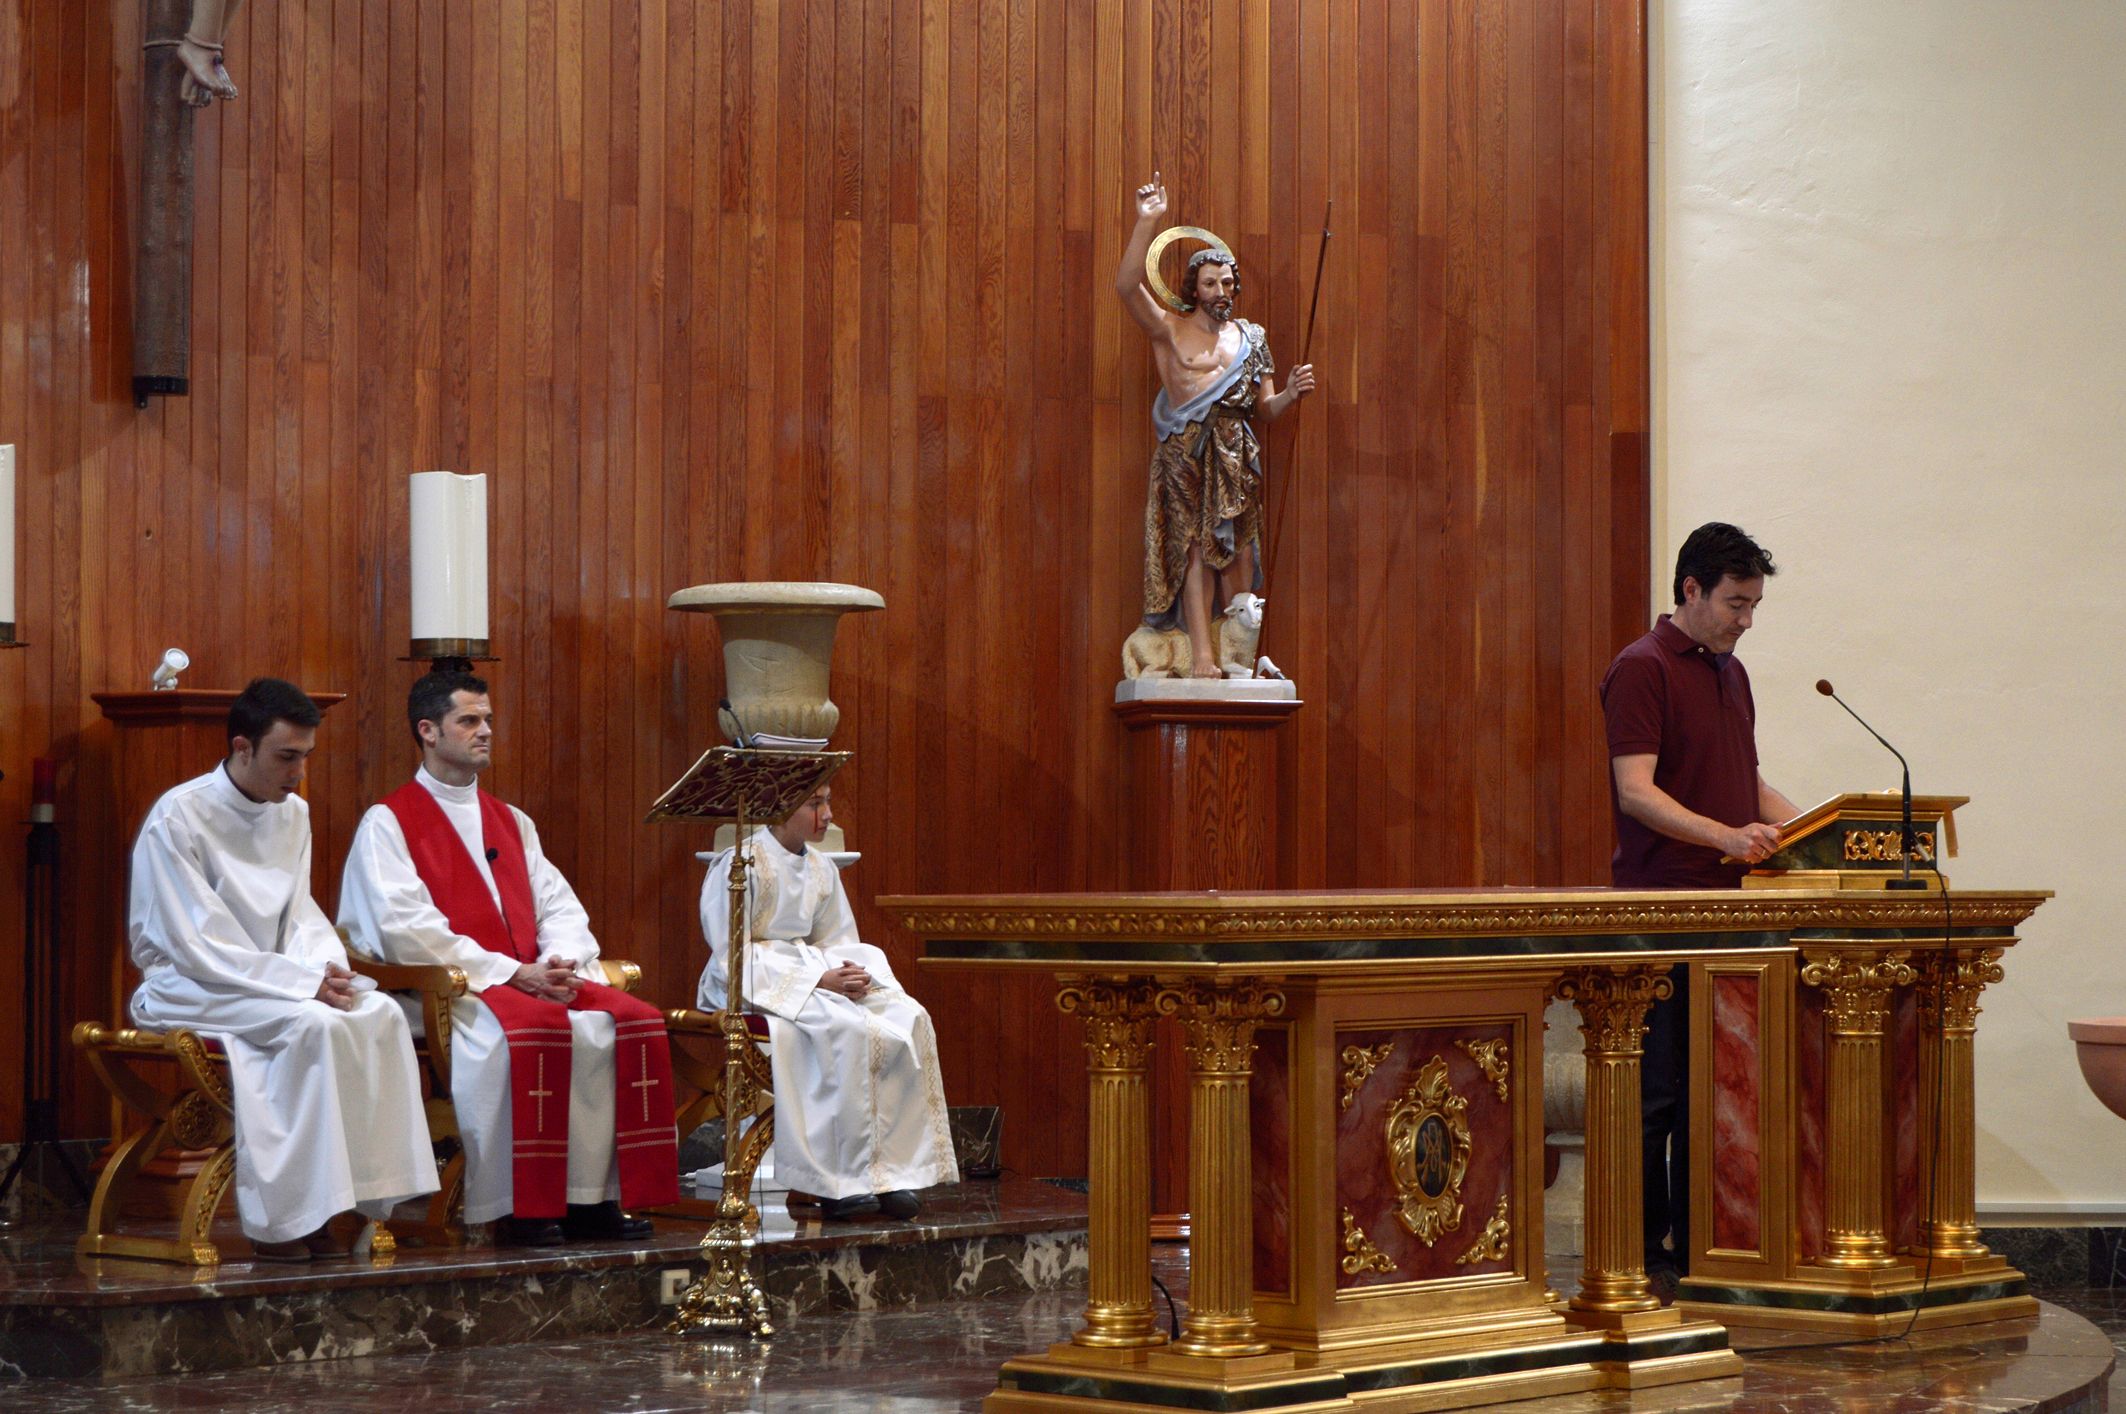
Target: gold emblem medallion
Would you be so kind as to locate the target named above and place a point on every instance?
(1428, 1153)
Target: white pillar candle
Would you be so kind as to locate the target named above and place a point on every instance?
(449, 524)
(7, 532)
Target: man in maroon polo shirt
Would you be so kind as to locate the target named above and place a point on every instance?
(1686, 791)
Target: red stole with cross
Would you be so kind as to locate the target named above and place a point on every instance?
(536, 1029)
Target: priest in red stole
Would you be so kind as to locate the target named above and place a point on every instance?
(562, 1084)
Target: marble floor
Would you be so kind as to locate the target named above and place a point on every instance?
(944, 1357)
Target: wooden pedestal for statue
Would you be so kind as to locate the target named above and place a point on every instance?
(160, 739)
(1206, 796)
(1365, 1129)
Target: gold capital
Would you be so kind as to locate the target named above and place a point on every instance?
(1857, 987)
(1613, 1002)
(1118, 1016)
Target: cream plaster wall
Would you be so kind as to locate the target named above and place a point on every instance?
(1890, 341)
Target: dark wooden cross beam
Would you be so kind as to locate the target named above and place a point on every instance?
(162, 285)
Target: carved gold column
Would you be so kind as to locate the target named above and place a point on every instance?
(1118, 1046)
(1857, 987)
(1949, 984)
(1218, 1020)
(1613, 1002)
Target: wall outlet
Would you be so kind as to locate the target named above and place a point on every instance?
(672, 1284)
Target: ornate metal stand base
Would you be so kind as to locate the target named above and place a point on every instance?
(726, 1300)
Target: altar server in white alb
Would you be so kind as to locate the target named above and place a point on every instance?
(562, 1084)
(859, 1100)
(230, 943)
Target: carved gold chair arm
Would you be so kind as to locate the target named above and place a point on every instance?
(621, 974)
(431, 979)
(94, 1035)
(691, 1022)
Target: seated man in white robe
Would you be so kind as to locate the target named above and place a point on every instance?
(230, 944)
(859, 1100)
(562, 1085)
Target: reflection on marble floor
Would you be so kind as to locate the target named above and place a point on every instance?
(944, 1357)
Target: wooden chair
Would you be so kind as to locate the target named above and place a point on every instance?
(436, 986)
(701, 1064)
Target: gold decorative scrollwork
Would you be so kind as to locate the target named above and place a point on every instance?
(1428, 1153)
(1360, 1255)
(202, 1067)
(1118, 1020)
(1755, 910)
(1359, 1063)
(196, 1122)
(1490, 1058)
(1857, 987)
(1493, 1245)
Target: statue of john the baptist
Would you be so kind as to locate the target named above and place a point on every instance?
(1203, 510)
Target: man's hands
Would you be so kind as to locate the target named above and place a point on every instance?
(338, 987)
(1755, 842)
(847, 980)
(554, 979)
(1151, 199)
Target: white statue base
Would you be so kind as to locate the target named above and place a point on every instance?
(1151, 689)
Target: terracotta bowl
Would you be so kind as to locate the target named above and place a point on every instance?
(2101, 1045)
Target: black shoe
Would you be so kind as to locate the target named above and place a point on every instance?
(603, 1222)
(1661, 1280)
(843, 1209)
(514, 1231)
(900, 1203)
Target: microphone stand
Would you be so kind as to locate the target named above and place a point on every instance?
(1904, 840)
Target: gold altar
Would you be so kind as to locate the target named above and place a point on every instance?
(1366, 1142)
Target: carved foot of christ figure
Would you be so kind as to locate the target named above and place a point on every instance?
(206, 79)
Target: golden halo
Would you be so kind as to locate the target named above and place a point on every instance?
(1160, 242)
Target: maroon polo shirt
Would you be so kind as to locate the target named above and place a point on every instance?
(1667, 697)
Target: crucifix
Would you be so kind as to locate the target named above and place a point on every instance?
(181, 71)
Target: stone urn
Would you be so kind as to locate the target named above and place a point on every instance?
(778, 645)
(2100, 1045)
(778, 650)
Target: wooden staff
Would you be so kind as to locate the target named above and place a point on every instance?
(1284, 502)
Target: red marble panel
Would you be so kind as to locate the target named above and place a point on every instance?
(1270, 1126)
(1907, 1202)
(1365, 1183)
(1738, 1139)
(1809, 1068)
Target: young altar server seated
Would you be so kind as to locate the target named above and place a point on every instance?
(229, 942)
(562, 1085)
(859, 1100)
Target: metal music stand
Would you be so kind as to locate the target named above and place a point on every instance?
(748, 788)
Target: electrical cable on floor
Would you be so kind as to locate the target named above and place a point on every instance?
(1173, 1317)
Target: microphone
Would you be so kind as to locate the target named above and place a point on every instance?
(493, 854)
(745, 738)
(1823, 685)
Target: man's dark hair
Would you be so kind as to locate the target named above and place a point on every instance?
(266, 701)
(1209, 255)
(1716, 549)
(429, 701)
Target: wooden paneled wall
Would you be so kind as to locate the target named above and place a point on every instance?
(758, 290)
